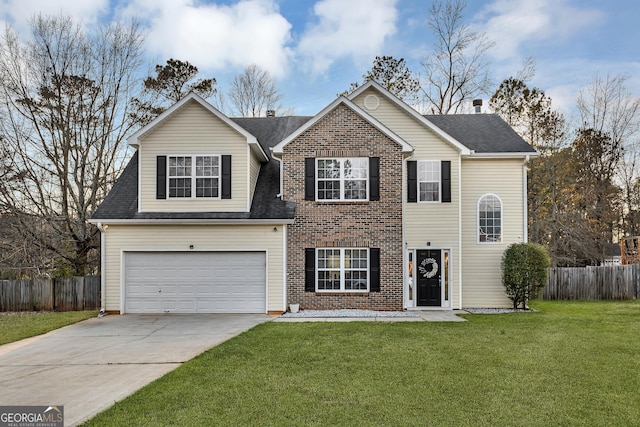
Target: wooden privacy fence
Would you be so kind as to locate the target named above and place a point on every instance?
(593, 283)
(63, 294)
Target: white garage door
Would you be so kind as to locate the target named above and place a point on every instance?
(195, 282)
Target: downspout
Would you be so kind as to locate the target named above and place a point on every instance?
(405, 260)
(525, 208)
(103, 274)
(459, 232)
(273, 156)
(285, 255)
(285, 232)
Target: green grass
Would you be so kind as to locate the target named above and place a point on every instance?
(570, 364)
(17, 326)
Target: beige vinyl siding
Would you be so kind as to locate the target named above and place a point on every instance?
(436, 223)
(120, 238)
(254, 172)
(481, 275)
(193, 130)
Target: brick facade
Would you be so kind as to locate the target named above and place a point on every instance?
(372, 224)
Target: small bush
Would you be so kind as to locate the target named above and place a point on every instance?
(524, 272)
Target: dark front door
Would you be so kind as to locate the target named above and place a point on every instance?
(429, 273)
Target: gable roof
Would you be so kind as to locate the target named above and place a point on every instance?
(349, 104)
(411, 112)
(121, 203)
(473, 134)
(135, 139)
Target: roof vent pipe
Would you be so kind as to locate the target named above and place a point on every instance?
(271, 113)
(477, 104)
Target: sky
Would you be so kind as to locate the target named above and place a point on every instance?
(314, 49)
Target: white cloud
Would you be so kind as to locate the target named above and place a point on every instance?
(19, 12)
(214, 36)
(354, 28)
(512, 23)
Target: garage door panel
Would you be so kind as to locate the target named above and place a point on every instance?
(190, 282)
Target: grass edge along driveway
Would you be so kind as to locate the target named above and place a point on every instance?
(17, 326)
(568, 364)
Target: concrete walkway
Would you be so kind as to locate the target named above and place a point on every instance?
(88, 366)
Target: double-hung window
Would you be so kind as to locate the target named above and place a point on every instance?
(490, 219)
(429, 181)
(344, 269)
(193, 176)
(342, 179)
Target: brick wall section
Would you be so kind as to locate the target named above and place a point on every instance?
(376, 224)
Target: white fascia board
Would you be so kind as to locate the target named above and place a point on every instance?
(191, 221)
(515, 155)
(406, 147)
(135, 139)
(463, 149)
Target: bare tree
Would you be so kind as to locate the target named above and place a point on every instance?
(608, 107)
(64, 115)
(254, 92)
(457, 70)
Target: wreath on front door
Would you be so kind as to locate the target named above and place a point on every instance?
(433, 269)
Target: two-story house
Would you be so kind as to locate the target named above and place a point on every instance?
(368, 204)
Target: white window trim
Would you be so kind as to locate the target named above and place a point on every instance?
(498, 242)
(342, 180)
(439, 163)
(342, 271)
(193, 176)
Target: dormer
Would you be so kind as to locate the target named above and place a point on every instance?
(192, 158)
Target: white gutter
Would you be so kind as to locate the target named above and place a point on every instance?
(193, 221)
(516, 155)
(103, 262)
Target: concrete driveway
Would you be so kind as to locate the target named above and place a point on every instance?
(90, 365)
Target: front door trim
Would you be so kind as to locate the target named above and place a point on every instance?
(412, 272)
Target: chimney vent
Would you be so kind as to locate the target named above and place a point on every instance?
(477, 103)
(271, 113)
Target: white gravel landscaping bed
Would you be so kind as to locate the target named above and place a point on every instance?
(350, 313)
(498, 310)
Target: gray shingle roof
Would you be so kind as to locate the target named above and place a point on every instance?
(483, 133)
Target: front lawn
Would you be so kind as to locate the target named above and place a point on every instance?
(569, 364)
(17, 326)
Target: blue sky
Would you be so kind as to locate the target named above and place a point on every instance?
(316, 48)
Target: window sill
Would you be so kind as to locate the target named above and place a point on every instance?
(343, 293)
(341, 202)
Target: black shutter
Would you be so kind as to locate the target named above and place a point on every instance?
(374, 270)
(374, 178)
(445, 170)
(310, 270)
(226, 177)
(412, 181)
(161, 177)
(310, 178)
